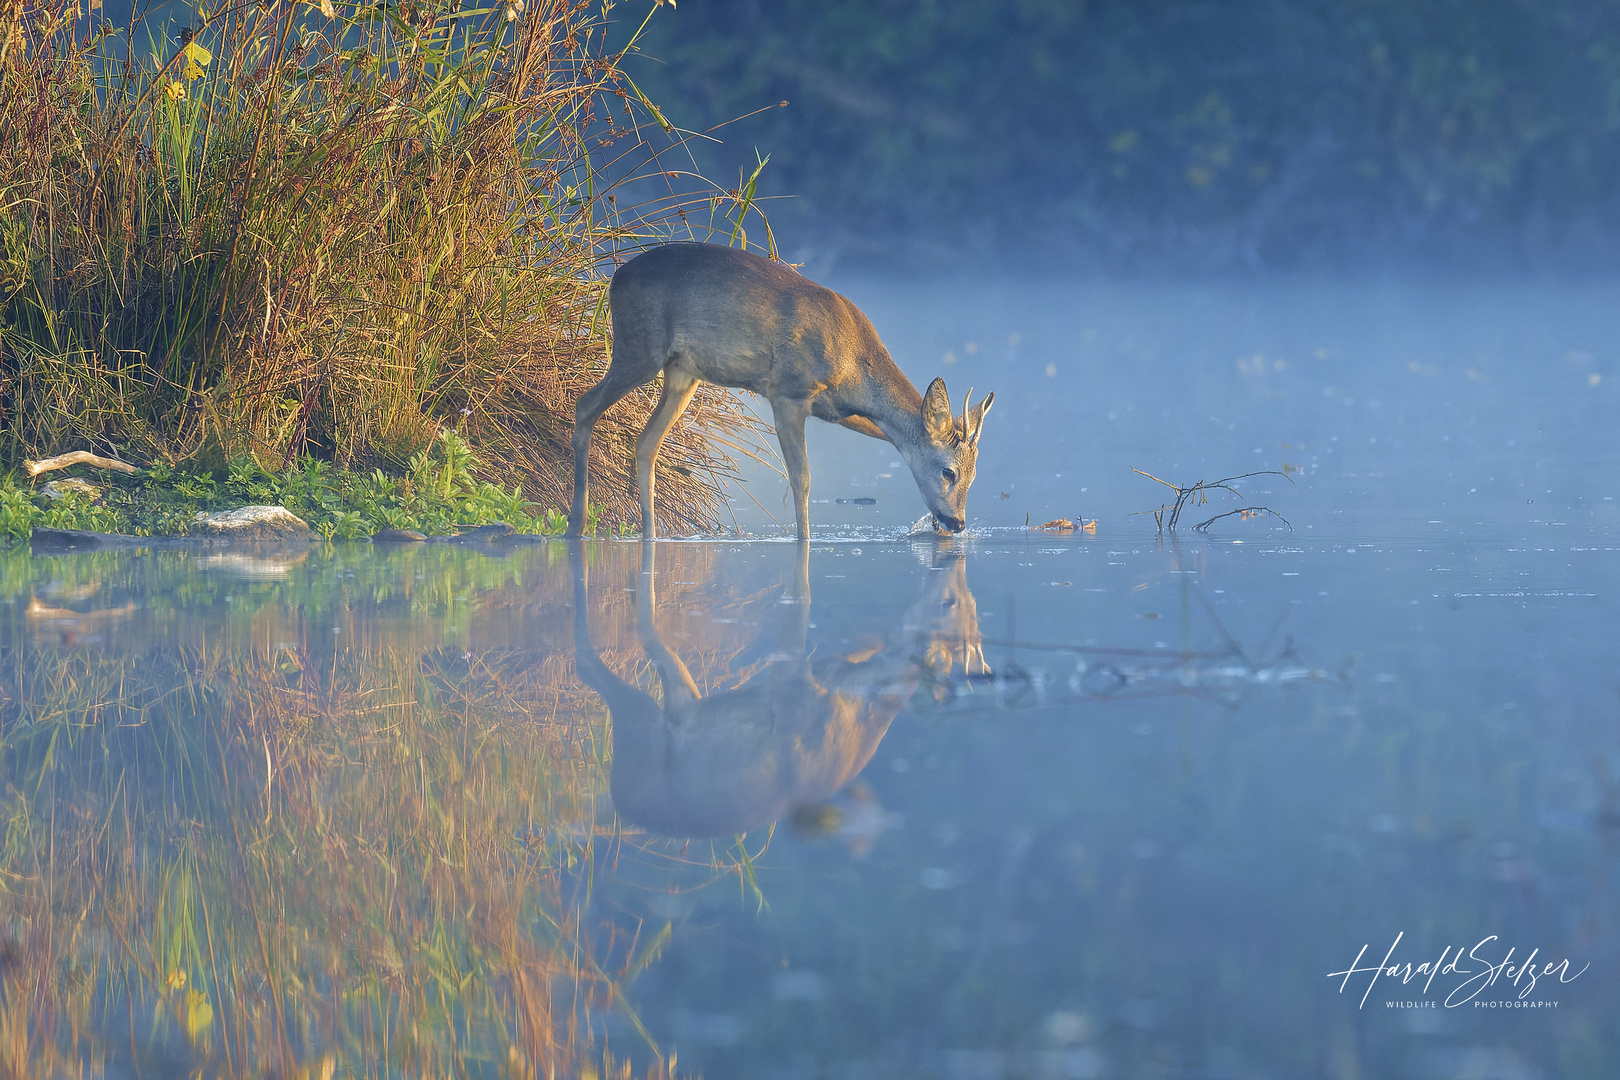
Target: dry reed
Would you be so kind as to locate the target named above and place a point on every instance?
(335, 232)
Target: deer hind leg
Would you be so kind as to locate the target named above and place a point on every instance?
(624, 374)
(789, 417)
(679, 387)
(629, 706)
(587, 661)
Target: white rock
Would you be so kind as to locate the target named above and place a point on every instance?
(252, 523)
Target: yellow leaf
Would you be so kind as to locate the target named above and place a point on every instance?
(199, 1014)
(193, 72)
(176, 90)
(328, 10)
(198, 55)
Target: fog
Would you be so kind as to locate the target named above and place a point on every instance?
(1388, 403)
(1158, 136)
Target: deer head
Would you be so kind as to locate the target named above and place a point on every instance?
(943, 461)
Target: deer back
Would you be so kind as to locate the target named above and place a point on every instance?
(737, 319)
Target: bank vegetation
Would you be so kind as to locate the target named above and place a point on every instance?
(334, 232)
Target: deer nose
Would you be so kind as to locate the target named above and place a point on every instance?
(951, 524)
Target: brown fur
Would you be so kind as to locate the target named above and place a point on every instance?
(706, 313)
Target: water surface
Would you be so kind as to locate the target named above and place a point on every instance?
(1015, 804)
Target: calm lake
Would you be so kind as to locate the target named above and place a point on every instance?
(1330, 791)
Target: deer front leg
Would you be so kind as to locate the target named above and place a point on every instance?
(794, 631)
(790, 417)
(678, 390)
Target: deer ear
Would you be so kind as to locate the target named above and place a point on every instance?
(936, 411)
(976, 421)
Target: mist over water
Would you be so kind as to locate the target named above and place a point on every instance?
(1390, 404)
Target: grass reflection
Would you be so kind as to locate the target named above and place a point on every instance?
(236, 843)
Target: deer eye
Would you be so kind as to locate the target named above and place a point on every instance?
(950, 476)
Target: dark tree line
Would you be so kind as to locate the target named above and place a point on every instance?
(1166, 133)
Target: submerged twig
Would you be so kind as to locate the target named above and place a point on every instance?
(1247, 512)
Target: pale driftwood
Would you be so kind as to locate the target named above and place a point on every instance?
(76, 457)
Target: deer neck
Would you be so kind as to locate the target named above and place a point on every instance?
(900, 429)
(895, 406)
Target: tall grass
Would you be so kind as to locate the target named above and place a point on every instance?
(331, 229)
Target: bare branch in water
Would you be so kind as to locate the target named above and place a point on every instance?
(1198, 495)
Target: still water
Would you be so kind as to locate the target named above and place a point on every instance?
(1021, 803)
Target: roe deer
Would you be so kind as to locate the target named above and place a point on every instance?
(790, 736)
(724, 316)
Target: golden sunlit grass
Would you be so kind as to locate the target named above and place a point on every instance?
(333, 230)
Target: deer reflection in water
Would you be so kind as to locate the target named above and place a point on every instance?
(790, 737)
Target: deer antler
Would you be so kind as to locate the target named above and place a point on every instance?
(965, 411)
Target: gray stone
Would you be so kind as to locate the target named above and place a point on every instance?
(483, 534)
(258, 523)
(477, 534)
(70, 485)
(51, 541)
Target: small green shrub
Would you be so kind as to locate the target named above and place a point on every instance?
(440, 494)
